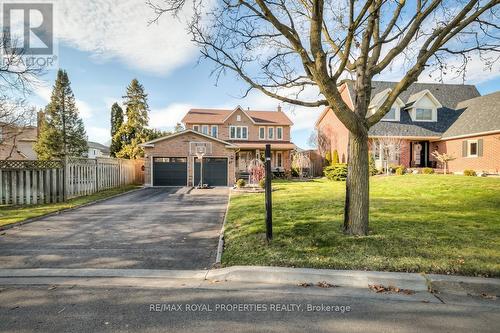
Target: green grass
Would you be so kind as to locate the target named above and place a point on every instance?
(12, 214)
(418, 223)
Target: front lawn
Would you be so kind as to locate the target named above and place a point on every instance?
(418, 223)
(12, 214)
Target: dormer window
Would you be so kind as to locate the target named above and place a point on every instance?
(391, 115)
(423, 114)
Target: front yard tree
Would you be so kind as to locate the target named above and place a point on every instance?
(299, 51)
(62, 132)
(134, 131)
(116, 124)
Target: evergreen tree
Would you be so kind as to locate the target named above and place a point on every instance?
(117, 118)
(133, 132)
(178, 128)
(61, 131)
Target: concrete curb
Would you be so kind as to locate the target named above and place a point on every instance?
(220, 245)
(353, 279)
(278, 276)
(37, 218)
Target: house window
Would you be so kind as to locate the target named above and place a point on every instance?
(279, 133)
(238, 132)
(238, 118)
(204, 129)
(270, 133)
(215, 130)
(391, 115)
(262, 133)
(279, 159)
(472, 148)
(423, 114)
(196, 128)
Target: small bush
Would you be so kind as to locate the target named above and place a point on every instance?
(336, 172)
(240, 183)
(427, 171)
(371, 162)
(469, 172)
(400, 170)
(262, 183)
(335, 157)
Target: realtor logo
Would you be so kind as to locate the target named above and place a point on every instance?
(28, 28)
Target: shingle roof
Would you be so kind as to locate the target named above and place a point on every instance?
(217, 116)
(477, 115)
(97, 145)
(449, 95)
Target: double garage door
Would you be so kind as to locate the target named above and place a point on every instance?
(173, 171)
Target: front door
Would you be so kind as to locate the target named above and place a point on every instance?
(421, 154)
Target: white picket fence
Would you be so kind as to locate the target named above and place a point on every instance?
(34, 182)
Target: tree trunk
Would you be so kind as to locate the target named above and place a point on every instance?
(357, 185)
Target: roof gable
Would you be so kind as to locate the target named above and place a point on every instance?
(171, 136)
(416, 98)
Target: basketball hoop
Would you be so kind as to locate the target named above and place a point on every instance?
(201, 151)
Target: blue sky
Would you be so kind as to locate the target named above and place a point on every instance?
(102, 54)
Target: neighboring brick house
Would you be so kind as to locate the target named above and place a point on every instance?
(16, 143)
(427, 117)
(232, 139)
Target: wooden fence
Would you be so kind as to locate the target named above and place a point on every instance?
(34, 182)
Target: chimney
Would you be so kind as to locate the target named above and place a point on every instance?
(279, 107)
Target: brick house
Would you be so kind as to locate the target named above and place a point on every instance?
(16, 143)
(427, 117)
(232, 138)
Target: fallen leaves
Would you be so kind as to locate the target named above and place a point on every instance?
(379, 288)
(324, 284)
(487, 296)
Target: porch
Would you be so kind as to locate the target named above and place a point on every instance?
(409, 153)
(280, 161)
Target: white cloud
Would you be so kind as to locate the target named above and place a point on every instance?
(98, 134)
(119, 29)
(167, 117)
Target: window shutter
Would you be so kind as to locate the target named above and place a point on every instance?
(480, 147)
(464, 148)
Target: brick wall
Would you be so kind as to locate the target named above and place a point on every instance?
(253, 129)
(179, 147)
(490, 161)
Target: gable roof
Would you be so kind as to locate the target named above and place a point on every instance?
(477, 115)
(448, 95)
(218, 116)
(413, 99)
(171, 136)
(97, 145)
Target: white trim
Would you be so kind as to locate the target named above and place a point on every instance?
(469, 142)
(427, 92)
(262, 127)
(150, 144)
(268, 136)
(236, 131)
(276, 133)
(433, 114)
(236, 109)
(469, 135)
(211, 130)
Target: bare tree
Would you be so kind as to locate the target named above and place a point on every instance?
(443, 158)
(299, 51)
(388, 148)
(17, 78)
(301, 162)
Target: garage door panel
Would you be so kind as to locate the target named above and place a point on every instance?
(214, 171)
(169, 171)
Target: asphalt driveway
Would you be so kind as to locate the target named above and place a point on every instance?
(153, 228)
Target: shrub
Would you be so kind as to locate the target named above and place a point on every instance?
(400, 170)
(427, 171)
(336, 172)
(262, 183)
(469, 172)
(335, 157)
(328, 158)
(371, 162)
(240, 183)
